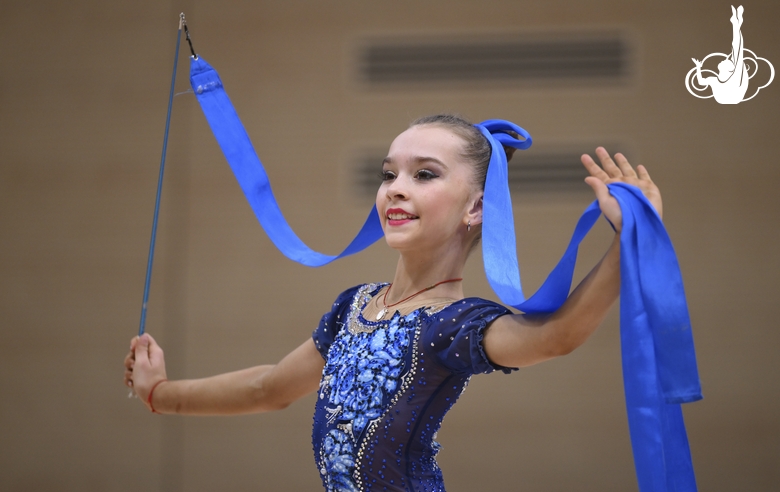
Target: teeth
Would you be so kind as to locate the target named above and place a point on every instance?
(400, 216)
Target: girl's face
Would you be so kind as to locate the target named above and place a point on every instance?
(428, 193)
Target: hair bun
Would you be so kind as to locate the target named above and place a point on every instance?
(509, 151)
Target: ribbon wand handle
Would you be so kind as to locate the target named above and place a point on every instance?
(182, 23)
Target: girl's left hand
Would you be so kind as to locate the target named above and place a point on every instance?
(618, 171)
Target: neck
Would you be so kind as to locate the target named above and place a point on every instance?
(417, 270)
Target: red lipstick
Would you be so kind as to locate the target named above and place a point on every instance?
(405, 217)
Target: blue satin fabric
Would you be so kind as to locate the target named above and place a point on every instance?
(251, 176)
(659, 362)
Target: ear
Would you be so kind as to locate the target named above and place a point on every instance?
(474, 213)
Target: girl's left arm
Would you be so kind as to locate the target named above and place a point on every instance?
(522, 340)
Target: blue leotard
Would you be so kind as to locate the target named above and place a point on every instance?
(386, 387)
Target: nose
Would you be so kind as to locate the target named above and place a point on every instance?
(396, 189)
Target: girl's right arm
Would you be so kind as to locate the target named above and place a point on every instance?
(256, 389)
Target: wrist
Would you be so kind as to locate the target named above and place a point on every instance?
(150, 399)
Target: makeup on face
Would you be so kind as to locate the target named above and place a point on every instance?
(399, 216)
(425, 188)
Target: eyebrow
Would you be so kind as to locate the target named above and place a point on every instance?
(418, 159)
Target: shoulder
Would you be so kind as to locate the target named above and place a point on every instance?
(475, 306)
(454, 334)
(482, 313)
(468, 311)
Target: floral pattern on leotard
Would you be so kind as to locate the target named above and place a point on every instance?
(386, 387)
(339, 458)
(363, 369)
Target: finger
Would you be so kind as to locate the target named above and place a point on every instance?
(151, 352)
(130, 360)
(607, 163)
(141, 351)
(156, 356)
(593, 168)
(599, 188)
(642, 172)
(624, 165)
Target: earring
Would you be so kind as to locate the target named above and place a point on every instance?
(468, 227)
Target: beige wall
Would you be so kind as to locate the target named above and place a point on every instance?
(83, 89)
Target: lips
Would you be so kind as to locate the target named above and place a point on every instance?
(399, 216)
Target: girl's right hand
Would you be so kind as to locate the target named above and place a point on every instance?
(144, 366)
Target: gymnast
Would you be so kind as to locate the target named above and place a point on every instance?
(731, 84)
(388, 360)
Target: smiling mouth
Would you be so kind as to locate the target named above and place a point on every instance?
(397, 217)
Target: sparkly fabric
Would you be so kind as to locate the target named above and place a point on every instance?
(386, 387)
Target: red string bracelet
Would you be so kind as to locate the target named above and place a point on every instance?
(149, 400)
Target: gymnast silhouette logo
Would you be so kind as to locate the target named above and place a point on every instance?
(730, 84)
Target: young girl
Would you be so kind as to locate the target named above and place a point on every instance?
(389, 360)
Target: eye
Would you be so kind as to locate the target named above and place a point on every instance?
(387, 175)
(425, 175)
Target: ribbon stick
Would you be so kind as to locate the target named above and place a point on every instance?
(147, 283)
(659, 362)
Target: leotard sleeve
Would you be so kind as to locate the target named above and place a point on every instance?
(333, 321)
(456, 332)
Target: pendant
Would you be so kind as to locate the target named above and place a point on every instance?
(381, 314)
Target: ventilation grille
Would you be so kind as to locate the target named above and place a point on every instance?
(537, 170)
(548, 170)
(564, 58)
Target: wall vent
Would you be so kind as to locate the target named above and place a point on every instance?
(537, 170)
(564, 57)
(549, 170)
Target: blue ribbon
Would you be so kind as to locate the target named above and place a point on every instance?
(251, 176)
(659, 362)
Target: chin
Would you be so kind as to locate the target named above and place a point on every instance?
(399, 240)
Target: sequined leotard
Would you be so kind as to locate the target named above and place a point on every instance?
(386, 386)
